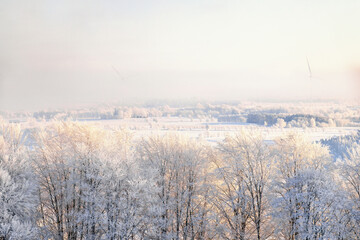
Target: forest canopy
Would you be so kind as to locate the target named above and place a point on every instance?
(81, 181)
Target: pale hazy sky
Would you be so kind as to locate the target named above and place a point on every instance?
(59, 53)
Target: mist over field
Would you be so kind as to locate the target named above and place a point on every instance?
(64, 53)
(178, 120)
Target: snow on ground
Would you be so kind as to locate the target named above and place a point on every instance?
(213, 131)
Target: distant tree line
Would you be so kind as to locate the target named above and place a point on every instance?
(270, 114)
(294, 119)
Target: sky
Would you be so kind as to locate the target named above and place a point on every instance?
(64, 53)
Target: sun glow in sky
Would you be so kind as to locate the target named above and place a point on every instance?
(59, 53)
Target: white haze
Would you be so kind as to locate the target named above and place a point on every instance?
(61, 53)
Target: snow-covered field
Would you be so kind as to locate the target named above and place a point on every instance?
(213, 131)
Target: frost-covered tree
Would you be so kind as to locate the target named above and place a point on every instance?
(342, 146)
(302, 193)
(127, 194)
(230, 199)
(177, 168)
(309, 205)
(243, 175)
(349, 170)
(89, 187)
(68, 168)
(18, 195)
